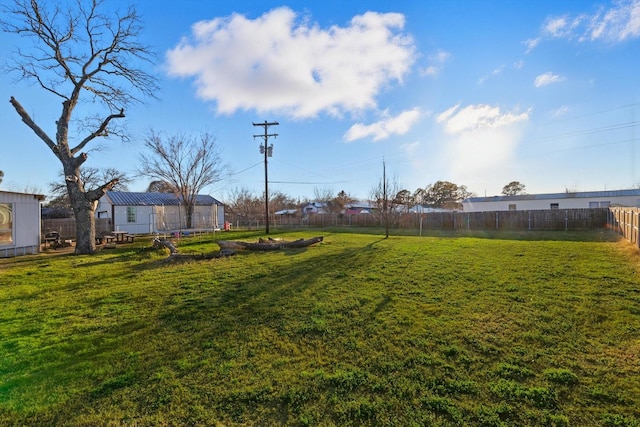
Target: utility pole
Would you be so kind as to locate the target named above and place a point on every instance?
(267, 150)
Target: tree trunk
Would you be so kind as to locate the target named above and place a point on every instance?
(188, 208)
(268, 245)
(85, 231)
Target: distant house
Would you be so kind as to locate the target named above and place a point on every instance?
(20, 232)
(158, 212)
(287, 212)
(575, 200)
(353, 208)
(314, 208)
(423, 209)
(359, 207)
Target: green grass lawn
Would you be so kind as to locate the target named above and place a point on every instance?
(489, 330)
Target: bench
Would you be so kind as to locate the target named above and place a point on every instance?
(106, 238)
(53, 239)
(129, 237)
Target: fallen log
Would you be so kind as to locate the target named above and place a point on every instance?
(267, 245)
(161, 242)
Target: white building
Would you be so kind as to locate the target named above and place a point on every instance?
(20, 231)
(530, 202)
(142, 213)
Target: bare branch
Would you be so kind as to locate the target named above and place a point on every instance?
(26, 118)
(101, 131)
(95, 194)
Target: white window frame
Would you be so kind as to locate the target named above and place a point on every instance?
(131, 214)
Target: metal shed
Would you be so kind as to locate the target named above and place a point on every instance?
(142, 213)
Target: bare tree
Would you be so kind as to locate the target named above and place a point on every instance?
(342, 200)
(279, 201)
(332, 203)
(92, 177)
(185, 162)
(324, 196)
(79, 54)
(245, 204)
(384, 198)
(1, 176)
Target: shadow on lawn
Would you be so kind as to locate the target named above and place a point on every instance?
(600, 235)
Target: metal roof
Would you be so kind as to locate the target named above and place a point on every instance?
(40, 197)
(124, 198)
(576, 195)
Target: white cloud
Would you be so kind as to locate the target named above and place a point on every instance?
(615, 24)
(561, 26)
(431, 70)
(559, 112)
(277, 63)
(480, 142)
(547, 79)
(494, 73)
(398, 125)
(437, 62)
(410, 148)
(532, 43)
(474, 117)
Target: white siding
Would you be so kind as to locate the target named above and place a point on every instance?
(545, 203)
(26, 224)
(159, 218)
(142, 223)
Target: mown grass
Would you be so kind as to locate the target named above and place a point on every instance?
(488, 330)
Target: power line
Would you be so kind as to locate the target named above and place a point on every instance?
(608, 128)
(307, 183)
(239, 172)
(595, 145)
(595, 113)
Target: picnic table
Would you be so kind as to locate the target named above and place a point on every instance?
(53, 239)
(119, 235)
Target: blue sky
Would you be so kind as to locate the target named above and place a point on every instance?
(479, 93)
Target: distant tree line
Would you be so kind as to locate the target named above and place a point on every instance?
(249, 206)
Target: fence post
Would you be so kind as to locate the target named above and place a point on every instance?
(637, 226)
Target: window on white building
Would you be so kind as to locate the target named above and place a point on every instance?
(131, 214)
(554, 206)
(512, 207)
(6, 224)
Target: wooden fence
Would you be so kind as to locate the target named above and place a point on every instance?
(67, 226)
(626, 222)
(537, 220)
